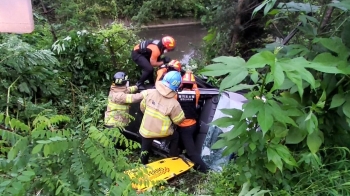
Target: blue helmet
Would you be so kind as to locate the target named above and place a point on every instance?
(172, 80)
(120, 78)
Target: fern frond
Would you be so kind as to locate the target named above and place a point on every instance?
(101, 137)
(98, 157)
(9, 136)
(59, 119)
(18, 125)
(20, 145)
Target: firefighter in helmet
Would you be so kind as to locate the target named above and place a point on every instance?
(188, 99)
(119, 98)
(161, 110)
(173, 65)
(149, 54)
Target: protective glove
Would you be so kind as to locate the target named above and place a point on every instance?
(166, 59)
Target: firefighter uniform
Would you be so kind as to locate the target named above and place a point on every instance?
(119, 98)
(161, 110)
(188, 100)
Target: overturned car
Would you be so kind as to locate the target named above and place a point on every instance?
(211, 101)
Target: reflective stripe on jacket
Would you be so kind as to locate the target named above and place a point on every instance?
(160, 111)
(119, 100)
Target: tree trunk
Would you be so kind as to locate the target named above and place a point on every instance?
(327, 17)
(237, 27)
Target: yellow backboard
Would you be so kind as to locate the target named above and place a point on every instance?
(16, 16)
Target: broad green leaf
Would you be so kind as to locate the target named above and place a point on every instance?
(58, 190)
(5, 183)
(314, 141)
(295, 136)
(285, 154)
(254, 77)
(253, 192)
(240, 151)
(261, 59)
(223, 122)
(343, 5)
(334, 44)
(271, 167)
(296, 79)
(240, 87)
(269, 6)
(307, 76)
(327, 63)
(265, 118)
(252, 146)
(234, 78)
(258, 8)
(217, 69)
(37, 148)
(237, 130)
(251, 108)
(295, 64)
(23, 178)
(245, 189)
(294, 112)
(346, 109)
(23, 87)
(311, 122)
(274, 157)
(287, 84)
(12, 154)
(88, 120)
(255, 136)
(219, 144)
(280, 115)
(312, 19)
(43, 141)
(230, 61)
(308, 30)
(232, 147)
(337, 100)
(278, 75)
(280, 131)
(288, 101)
(46, 150)
(28, 173)
(235, 113)
(298, 7)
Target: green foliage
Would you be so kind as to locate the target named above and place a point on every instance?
(51, 158)
(91, 58)
(35, 73)
(72, 15)
(81, 14)
(154, 9)
(296, 113)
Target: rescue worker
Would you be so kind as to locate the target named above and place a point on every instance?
(173, 65)
(160, 111)
(120, 96)
(148, 54)
(189, 103)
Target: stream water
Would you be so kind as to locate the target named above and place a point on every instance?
(187, 39)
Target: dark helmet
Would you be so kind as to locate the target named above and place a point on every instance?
(120, 79)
